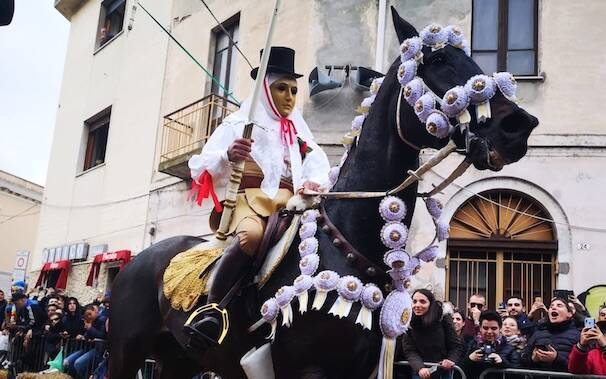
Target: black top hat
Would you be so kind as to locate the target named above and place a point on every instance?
(281, 61)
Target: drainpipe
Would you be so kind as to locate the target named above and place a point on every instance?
(380, 35)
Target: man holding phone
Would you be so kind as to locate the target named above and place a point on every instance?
(589, 354)
(550, 344)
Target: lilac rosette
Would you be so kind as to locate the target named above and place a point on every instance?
(269, 313)
(480, 88)
(367, 102)
(400, 278)
(358, 121)
(506, 84)
(414, 265)
(375, 85)
(455, 101)
(349, 289)
(395, 314)
(302, 284)
(324, 282)
(437, 124)
(466, 47)
(333, 174)
(442, 229)
(396, 259)
(429, 254)
(308, 229)
(434, 35)
(410, 48)
(455, 35)
(394, 235)
(371, 299)
(310, 215)
(308, 246)
(392, 208)
(424, 106)
(284, 296)
(309, 264)
(434, 207)
(407, 72)
(413, 91)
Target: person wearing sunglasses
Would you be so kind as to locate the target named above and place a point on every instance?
(475, 306)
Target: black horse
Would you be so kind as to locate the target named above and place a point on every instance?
(317, 344)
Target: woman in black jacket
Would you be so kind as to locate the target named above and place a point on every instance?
(431, 337)
(550, 344)
(73, 324)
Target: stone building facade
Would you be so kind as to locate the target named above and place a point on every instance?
(139, 193)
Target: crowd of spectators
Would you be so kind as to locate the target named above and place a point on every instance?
(556, 336)
(50, 329)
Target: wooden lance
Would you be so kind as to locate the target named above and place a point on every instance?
(238, 168)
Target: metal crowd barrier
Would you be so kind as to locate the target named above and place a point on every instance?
(455, 368)
(526, 373)
(35, 356)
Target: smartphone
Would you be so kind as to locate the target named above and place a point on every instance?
(589, 323)
(564, 294)
(538, 299)
(542, 347)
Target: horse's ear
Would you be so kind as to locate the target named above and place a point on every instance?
(404, 30)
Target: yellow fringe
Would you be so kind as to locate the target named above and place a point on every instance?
(182, 285)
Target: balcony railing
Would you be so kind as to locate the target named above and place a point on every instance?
(186, 130)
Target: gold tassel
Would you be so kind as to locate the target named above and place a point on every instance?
(181, 282)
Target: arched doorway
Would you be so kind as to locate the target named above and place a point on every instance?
(501, 244)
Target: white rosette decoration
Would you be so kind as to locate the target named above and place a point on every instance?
(393, 319)
(284, 296)
(435, 36)
(310, 215)
(424, 106)
(429, 254)
(394, 235)
(375, 85)
(349, 289)
(413, 90)
(507, 85)
(455, 103)
(411, 49)
(434, 207)
(481, 89)
(308, 246)
(455, 36)
(371, 299)
(301, 285)
(269, 314)
(407, 72)
(308, 230)
(392, 208)
(437, 125)
(324, 282)
(309, 264)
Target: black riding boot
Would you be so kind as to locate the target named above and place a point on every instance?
(233, 264)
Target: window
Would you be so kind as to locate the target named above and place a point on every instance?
(501, 247)
(504, 36)
(111, 276)
(110, 20)
(97, 129)
(224, 57)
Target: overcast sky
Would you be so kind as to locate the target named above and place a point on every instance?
(32, 54)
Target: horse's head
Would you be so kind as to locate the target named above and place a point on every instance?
(499, 139)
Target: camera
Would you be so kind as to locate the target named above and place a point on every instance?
(486, 350)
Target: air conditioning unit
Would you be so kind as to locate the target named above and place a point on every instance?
(98, 249)
(72, 251)
(44, 255)
(51, 254)
(64, 252)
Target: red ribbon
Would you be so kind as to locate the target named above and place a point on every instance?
(203, 188)
(287, 128)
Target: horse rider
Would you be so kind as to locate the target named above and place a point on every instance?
(280, 156)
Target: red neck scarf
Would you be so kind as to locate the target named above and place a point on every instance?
(287, 127)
